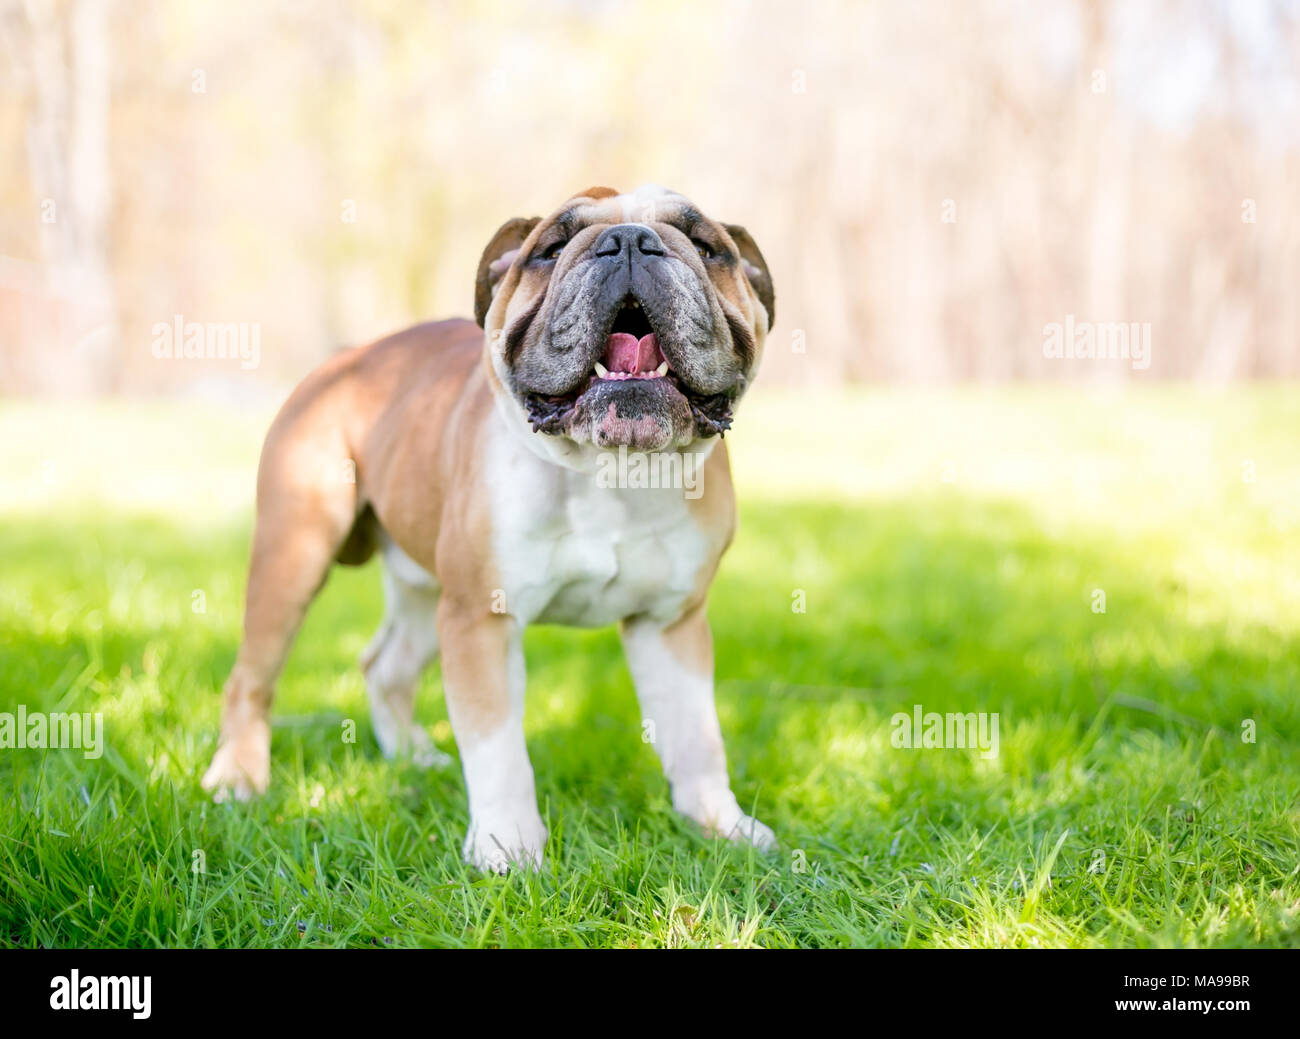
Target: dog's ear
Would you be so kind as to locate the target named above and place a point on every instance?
(755, 269)
(496, 260)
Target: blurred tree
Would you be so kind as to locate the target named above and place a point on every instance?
(67, 48)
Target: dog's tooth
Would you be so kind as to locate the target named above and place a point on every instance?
(602, 371)
(662, 369)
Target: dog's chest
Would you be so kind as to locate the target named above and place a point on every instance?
(572, 552)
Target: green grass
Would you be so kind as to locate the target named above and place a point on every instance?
(948, 545)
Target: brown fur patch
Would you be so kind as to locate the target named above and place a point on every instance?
(597, 192)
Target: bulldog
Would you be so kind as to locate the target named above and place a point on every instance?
(466, 454)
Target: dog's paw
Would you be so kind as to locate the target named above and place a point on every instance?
(498, 842)
(240, 768)
(749, 830)
(406, 742)
(715, 808)
(423, 752)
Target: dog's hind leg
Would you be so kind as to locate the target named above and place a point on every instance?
(307, 504)
(406, 643)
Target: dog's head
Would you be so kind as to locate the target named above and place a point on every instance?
(624, 320)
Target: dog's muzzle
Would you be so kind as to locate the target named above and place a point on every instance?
(631, 350)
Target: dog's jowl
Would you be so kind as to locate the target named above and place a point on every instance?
(468, 453)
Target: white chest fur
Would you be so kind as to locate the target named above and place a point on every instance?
(570, 551)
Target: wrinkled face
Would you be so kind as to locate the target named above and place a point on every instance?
(624, 320)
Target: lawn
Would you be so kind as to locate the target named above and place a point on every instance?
(948, 548)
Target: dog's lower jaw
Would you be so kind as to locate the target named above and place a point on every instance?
(697, 417)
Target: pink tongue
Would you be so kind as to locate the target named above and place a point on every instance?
(625, 353)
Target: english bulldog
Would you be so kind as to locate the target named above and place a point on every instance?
(467, 454)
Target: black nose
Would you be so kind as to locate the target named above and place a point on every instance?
(629, 242)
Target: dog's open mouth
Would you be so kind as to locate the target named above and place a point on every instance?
(632, 353)
(632, 349)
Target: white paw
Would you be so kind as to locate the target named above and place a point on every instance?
(398, 742)
(751, 831)
(241, 766)
(715, 808)
(501, 840)
(424, 753)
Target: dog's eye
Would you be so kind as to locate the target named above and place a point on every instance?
(703, 248)
(552, 251)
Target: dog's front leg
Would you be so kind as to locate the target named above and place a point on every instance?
(483, 675)
(672, 668)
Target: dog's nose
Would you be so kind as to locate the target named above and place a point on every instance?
(629, 241)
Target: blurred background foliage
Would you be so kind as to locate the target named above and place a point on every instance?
(1115, 161)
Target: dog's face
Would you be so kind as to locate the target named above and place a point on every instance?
(624, 320)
